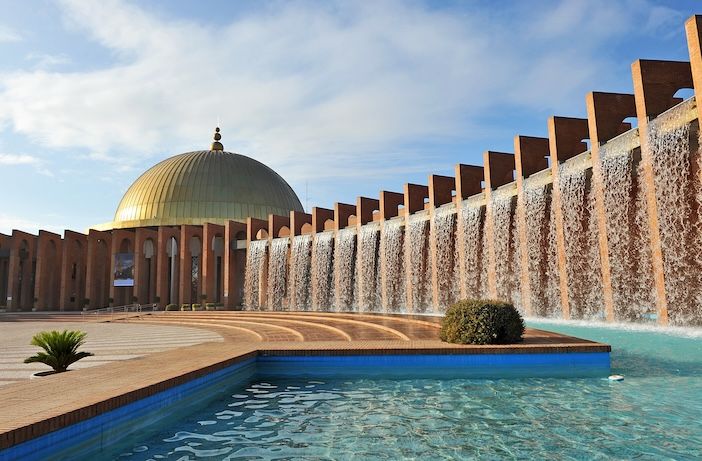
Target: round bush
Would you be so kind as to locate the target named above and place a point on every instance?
(172, 307)
(480, 321)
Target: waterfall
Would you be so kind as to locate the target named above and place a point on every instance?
(504, 242)
(442, 233)
(255, 267)
(581, 241)
(367, 267)
(470, 247)
(627, 231)
(678, 200)
(345, 270)
(543, 280)
(322, 271)
(277, 273)
(300, 273)
(392, 266)
(552, 307)
(417, 257)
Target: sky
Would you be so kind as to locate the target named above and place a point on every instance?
(342, 98)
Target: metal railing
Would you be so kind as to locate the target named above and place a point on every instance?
(120, 311)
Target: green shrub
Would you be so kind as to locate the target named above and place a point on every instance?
(172, 307)
(197, 307)
(480, 321)
(185, 307)
(210, 306)
(60, 349)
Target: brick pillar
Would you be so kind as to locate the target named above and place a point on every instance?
(166, 269)
(47, 284)
(529, 157)
(655, 84)
(605, 115)
(187, 251)
(98, 268)
(73, 261)
(469, 180)
(498, 171)
(414, 195)
(565, 136)
(145, 269)
(234, 263)
(441, 190)
(20, 290)
(208, 265)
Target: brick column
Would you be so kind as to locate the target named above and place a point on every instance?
(234, 263)
(208, 264)
(529, 157)
(498, 171)
(655, 84)
(164, 268)
(47, 284)
(187, 232)
(20, 289)
(73, 261)
(469, 180)
(441, 190)
(97, 282)
(414, 195)
(605, 116)
(565, 135)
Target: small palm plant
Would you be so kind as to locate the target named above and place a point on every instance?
(60, 349)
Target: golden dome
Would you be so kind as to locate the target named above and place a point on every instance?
(211, 186)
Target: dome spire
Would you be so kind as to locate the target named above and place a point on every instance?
(216, 145)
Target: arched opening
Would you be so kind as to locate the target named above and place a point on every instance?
(306, 229)
(146, 284)
(284, 231)
(124, 273)
(262, 234)
(329, 224)
(27, 267)
(218, 251)
(173, 268)
(75, 285)
(195, 252)
(50, 273)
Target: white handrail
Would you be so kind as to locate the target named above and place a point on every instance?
(126, 309)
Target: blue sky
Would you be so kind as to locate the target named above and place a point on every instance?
(341, 98)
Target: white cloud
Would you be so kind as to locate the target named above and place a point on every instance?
(45, 61)
(313, 86)
(18, 159)
(7, 34)
(10, 222)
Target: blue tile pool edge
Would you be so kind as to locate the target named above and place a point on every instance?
(509, 365)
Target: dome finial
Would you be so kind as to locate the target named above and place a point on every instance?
(216, 145)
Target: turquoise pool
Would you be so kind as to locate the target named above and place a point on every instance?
(655, 413)
(401, 408)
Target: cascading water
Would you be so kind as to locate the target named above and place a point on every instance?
(678, 199)
(543, 279)
(345, 270)
(442, 233)
(470, 246)
(392, 265)
(367, 267)
(504, 238)
(277, 273)
(322, 271)
(581, 241)
(417, 258)
(255, 267)
(627, 230)
(299, 287)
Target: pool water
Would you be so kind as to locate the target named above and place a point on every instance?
(655, 413)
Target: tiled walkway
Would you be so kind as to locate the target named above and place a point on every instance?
(36, 407)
